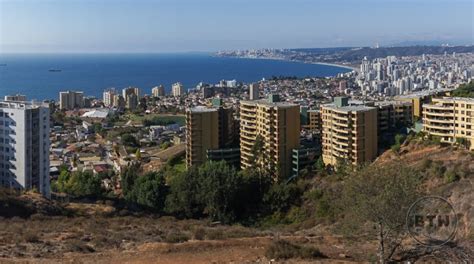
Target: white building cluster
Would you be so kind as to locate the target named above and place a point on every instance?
(393, 76)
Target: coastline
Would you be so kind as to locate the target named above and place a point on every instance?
(296, 61)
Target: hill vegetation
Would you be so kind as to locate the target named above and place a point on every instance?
(464, 90)
(280, 220)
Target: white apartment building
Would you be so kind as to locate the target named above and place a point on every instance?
(177, 89)
(109, 96)
(24, 146)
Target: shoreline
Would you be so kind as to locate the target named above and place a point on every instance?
(286, 60)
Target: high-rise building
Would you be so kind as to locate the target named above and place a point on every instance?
(131, 95)
(210, 133)
(451, 119)
(254, 91)
(16, 97)
(109, 96)
(349, 132)
(70, 100)
(177, 89)
(119, 101)
(310, 120)
(392, 115)
(274, 127)
(131, 90)
(24, 146)
(158, 91)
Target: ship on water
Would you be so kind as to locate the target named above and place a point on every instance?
(55, 70)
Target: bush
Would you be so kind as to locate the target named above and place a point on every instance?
(149, 191)
(199, 233)
(210, 190)
(450, 176)
(79, 184)
(282, 249)
(176, 237)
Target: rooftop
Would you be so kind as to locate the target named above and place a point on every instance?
(424, 93)
(22, 105)
(349, 108)
(201, 109)
(266, 102)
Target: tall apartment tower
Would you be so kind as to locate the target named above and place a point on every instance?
(177, 89)
(451, 119)
(210, 132)
(109, 96)
(131, 96)
(158, 91)
(24, 146)
(70, 100)
(392, 115)
(131, 90)
(254, 91)
(277, 126)
(349, 132)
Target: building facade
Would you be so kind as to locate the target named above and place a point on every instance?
(274, 127)
(108, 97)
(349, 132)
(158, 91)
(254, 91)
(16, 97)
(70, 100)
(311, 120)
(210, 135)
(392, 115)
(177, 89)
(24, 146)
(131, 96)
(451, 119)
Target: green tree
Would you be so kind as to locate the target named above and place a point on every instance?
(128, 177)
(282, 196)
(320, 166)
(130, 141)
(464, 90)
(183, 198)
(381, 196)
(210, 190)
(79, 184)
(149, 191)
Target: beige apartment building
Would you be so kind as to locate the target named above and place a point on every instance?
(70, 100)
(312, 120)
(392, 114)
(277, 125)
(201, 134)
(451, 119)
(210, 131)
(349, 132)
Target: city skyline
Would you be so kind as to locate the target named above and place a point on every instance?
(211, 25)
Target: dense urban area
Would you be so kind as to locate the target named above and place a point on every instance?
(265, 165)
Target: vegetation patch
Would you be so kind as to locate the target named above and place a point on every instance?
(282, 249)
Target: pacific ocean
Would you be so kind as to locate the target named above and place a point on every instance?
(30, 74)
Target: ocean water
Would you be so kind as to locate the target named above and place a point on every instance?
(92, 73)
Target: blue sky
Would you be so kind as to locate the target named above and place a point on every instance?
(209, 25)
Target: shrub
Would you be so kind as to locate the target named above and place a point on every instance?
(176, 237)
(199, 233)
(215, 234)
(450, 176)
(282, 249)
